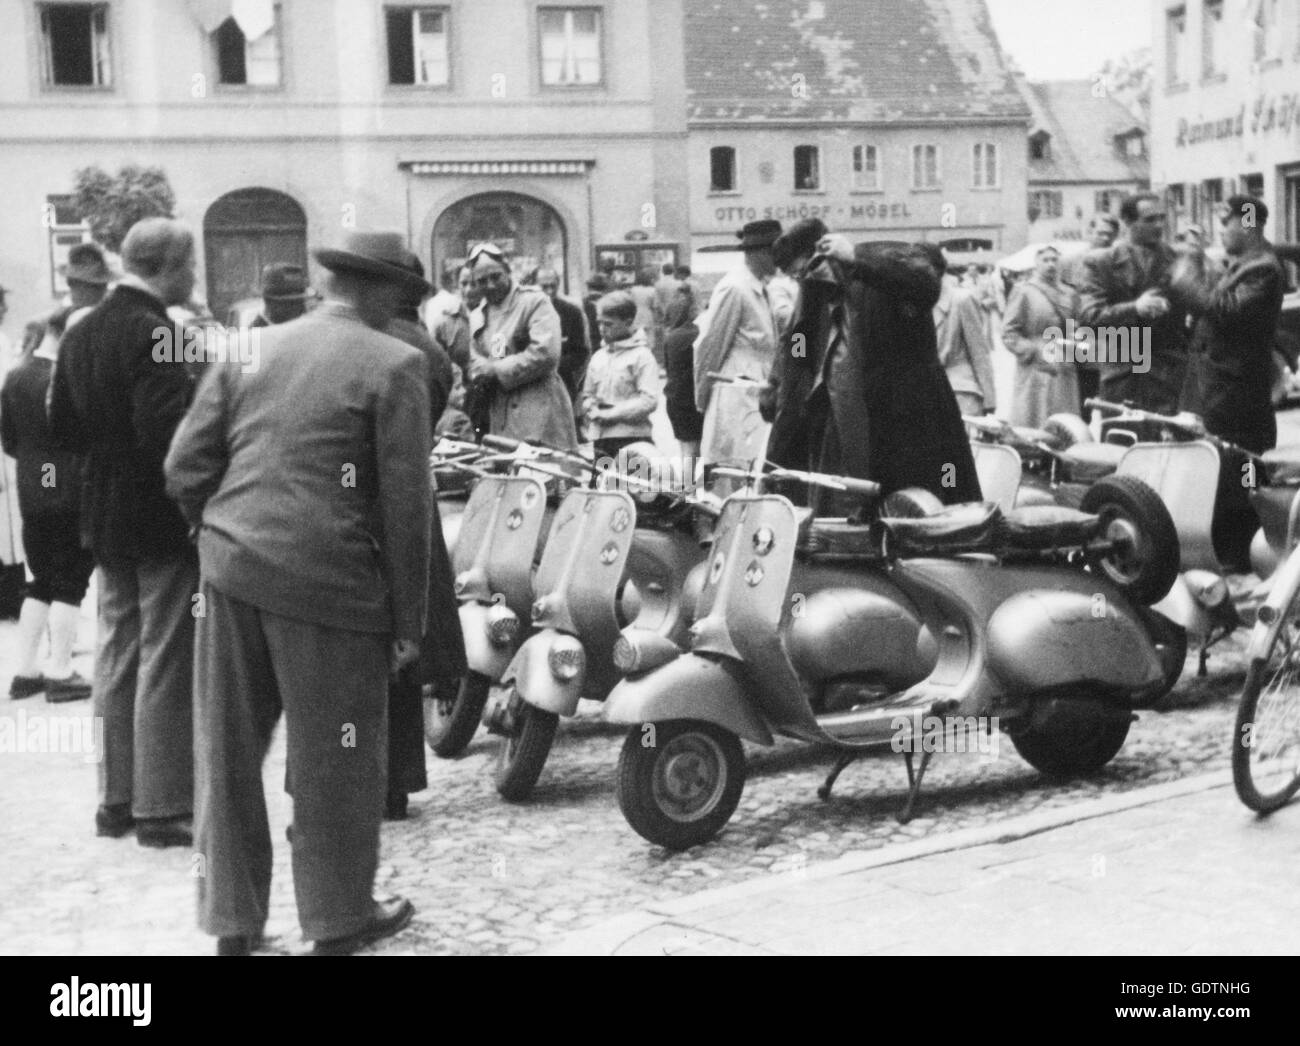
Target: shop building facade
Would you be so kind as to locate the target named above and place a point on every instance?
(1226, 109)
(558, 129)
(902, 125)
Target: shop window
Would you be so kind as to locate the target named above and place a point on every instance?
(75, 45)
(417, 46)
(1175, 45)
(925, 167)
(984, 166)
(866, 168)
(1253, 185)
(569, 38)
(807, 168)
(1045, 203)
(66, 230)
(255, 63)
(722, 169)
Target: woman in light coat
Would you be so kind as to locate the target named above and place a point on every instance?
(1034, 331)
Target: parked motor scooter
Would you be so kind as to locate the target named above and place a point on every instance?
(493, 561)
(1184, 469)
(611, 559)
(1019, 635)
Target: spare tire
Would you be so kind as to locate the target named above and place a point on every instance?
(1067, 430)
(1144, 561)
(910, 503)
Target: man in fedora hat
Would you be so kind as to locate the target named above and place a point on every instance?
(285, 294)
(87, 274)
(307, 480)
(738, 337)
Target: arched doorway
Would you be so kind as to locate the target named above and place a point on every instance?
(528, 229)
(244, 231)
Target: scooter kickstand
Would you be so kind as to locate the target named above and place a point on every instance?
(841, 762)
(914, 783)
(1204, 659)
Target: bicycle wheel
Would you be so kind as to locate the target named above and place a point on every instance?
(1266, 744)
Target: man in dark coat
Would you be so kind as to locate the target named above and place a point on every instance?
(119, 389)
(1230, 375)
(575, 339)
(1127, 285)
(880, 405)
(285, 294)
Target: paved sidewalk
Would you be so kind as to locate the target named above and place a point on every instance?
(1181, 868)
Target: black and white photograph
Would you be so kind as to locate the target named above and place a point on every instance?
(627, 478)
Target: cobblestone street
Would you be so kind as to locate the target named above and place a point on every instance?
(488, 877)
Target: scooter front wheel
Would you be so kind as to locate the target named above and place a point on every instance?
(680, 781)
(1266, 744)
(1067, 739)
(524, 751)
(450, 721)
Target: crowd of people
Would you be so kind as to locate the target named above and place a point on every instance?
(266, 540)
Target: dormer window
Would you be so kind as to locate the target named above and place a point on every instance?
(1131, 144)
(1040, 146)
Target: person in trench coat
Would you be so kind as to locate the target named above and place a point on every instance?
(1047, 379)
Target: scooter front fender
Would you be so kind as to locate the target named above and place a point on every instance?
(1182, 608)
(1273, 612)
(530, 671)
(481, 655)
(690, 687)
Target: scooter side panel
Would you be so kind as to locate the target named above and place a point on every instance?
(531, 674)
(481, 655)
(657, 568)
(1185, 475)
(690, 687)
(1038, 638)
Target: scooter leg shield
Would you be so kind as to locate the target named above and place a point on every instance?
(690, 687)
(481, 654)
(530, 671)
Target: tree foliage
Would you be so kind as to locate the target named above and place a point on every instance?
(1128, 79)
(111, 205)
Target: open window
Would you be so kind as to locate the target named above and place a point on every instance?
(722, 169)
(807, 168)
(245, 61)
(75, 45)
(418, 54)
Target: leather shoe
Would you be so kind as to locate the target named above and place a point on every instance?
(114, 821)
(160, 832)
(395, 806)
(26, 686)
(74, 688)
(385, 920)
(242, 945)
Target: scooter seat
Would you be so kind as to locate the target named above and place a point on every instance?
(962, 528)
(1088, 462)
(839, 537)
(1041, 527)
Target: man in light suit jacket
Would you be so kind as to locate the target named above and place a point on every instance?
(307, 479)
(964, 348)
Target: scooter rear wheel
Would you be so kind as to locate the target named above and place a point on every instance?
(1071, 739)
(450, 723)
(680, 781)
(1144, 556)
(1266, 743)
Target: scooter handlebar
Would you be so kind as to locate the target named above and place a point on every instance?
(502, 442)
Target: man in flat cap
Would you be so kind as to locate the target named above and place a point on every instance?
(308, 481)
(737, 339)
(285, 294)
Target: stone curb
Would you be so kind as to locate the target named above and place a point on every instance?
(605, 938)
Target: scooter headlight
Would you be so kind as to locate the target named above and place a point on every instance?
(566, 658)
(502, 626)
(639, 650)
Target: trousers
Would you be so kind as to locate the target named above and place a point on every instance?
(331, 684)
(143, 684)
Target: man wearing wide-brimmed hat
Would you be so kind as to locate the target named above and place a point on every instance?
(286, 290)
(738, 339)
(307, 480)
